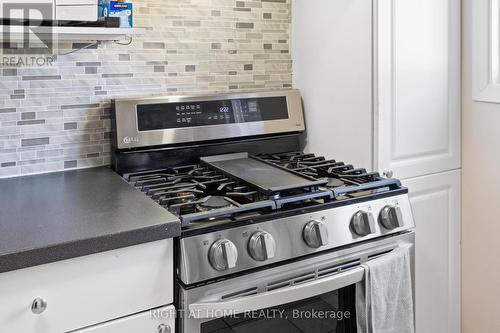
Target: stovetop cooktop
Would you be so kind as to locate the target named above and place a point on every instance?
(209, 193)
(212, 160)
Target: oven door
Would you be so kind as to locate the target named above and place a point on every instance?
(315, 295)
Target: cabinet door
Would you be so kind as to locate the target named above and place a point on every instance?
(417, 104)
(435, 201)
(333, 68)
(154, 321)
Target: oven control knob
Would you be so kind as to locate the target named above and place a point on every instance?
(363, 223)
(223, 255)
(391, 217)
(262, 246)
(316, 234)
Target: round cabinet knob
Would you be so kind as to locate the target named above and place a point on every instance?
(363, 223)
(262, 246)
(223, 255)
(388, 174)
(162, 328)
(39, 305)
(391, 217)
(315, 234)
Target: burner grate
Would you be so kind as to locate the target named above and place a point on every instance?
(200, 194)
(343, 179)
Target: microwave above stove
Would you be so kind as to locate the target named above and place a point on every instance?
(49, 10)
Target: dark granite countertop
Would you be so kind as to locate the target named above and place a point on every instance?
(57, 216)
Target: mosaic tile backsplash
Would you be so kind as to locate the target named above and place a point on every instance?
(58, 117)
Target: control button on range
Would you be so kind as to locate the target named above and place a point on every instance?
(262, 246)
(315, 234)
(363, 223)
(223, 255)
(391, 217)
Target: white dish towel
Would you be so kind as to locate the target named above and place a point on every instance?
(384, 302)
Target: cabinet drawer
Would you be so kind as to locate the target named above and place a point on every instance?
(87, 290)
(154, 321)
(76, 13)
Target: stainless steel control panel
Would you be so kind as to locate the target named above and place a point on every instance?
(182, 119)
(229, 251)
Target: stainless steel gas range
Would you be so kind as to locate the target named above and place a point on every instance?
(272, 238)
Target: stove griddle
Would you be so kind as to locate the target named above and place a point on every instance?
(267, 178)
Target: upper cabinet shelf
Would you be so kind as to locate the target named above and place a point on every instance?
(16, 33)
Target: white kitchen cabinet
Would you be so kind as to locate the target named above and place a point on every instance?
(333, 56)
(155, 321)
(417, 84)
(381, 82)
(87, 290)
(435, 201)
(406, 121)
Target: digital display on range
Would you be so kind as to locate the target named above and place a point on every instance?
(178, 115)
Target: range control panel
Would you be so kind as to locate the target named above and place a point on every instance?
(173, 120)
(230, 111)
(225, 252)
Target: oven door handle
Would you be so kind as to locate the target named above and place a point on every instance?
(277, 297)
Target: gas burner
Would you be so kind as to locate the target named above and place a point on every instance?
(213, 202)
(181, 196)
(335, 182)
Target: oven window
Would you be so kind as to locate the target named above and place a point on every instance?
(333, 312)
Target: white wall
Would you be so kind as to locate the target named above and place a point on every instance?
(480, 200)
